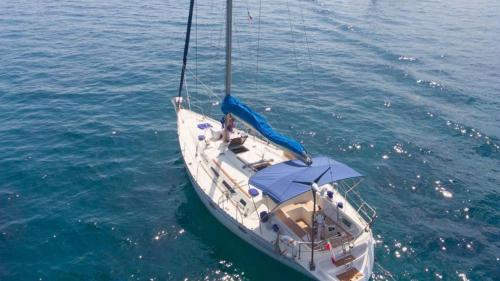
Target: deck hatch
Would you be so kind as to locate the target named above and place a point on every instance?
(215, 172)
(239, 149)
(228, 187)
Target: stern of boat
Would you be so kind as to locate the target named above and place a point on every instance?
(354, 265)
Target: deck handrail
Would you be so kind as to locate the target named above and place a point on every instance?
(365, 210)
(344, 242)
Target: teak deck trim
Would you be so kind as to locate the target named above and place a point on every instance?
(351, 275)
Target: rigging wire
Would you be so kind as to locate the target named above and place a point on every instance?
(293, 40)
(210, 33)
(258, 55)
(196, 44)
(258, 49)
(236, 36)
(204, 85)
(308, 49)
(291, 32)
(213, 66)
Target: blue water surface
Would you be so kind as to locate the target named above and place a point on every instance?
(92, 185)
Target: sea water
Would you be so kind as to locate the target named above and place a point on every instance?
(92, 184)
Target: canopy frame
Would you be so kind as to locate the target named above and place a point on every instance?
(284, 181)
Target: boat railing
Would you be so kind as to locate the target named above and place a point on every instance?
(192, 102)
(190, 105)
(204, 86)
(320, 246)
(239, 216)
(226, 196)
(363, 209)
(204, 89)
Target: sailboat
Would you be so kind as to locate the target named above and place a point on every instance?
(303, 211)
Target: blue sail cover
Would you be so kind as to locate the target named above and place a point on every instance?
(286, 180)
(258, 122)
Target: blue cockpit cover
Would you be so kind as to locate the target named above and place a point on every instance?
(285, 180)
(258, 122)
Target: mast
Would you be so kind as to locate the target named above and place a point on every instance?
(186, 49)
(229, 34)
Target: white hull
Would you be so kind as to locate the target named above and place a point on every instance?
(237, 229)
(199, 158)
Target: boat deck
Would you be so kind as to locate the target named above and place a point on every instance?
(222, 171)
(351, 275)
(297, 217)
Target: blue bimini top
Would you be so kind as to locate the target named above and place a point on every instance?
(287, 180)
(258, 122)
